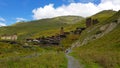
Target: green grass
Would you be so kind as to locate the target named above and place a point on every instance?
(47, 60)
(69, 19)
(15, 56)
(8, 50)
(66, 43)
(39, 28)
(103, 52)
(52, 57)
(26, 30)
(103, 15)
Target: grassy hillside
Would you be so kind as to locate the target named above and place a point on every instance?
(100, 49)
(101, 16)
(50, 26)
(69, 19)
(18, 56)
(96, 53)
(96, 28)
(40, 27)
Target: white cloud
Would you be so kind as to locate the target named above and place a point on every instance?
(78, 9)
(117, 2)
(2, 19)
(71, 1)
(110, 4)
(2, 24)
(20, 19)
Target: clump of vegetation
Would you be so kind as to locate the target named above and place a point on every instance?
(66, 43)
(8, 50)
(45, 60)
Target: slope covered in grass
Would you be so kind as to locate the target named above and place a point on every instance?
(104, 51)
(73, 38)
(96, 28)
(33, 29)
(39, 27)
(91, 54)
(103, 15)
(69, 19)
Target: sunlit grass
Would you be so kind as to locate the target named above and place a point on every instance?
(46, 60)
(104, 52)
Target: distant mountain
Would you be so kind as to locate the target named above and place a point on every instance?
(40, 27)
(50, 26)
(60, 19)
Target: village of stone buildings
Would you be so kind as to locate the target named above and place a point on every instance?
(53, 40)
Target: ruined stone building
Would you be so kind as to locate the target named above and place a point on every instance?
(90, 22)
(9, 37)
(95, 21)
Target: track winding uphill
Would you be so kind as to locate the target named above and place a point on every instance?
(72, 62)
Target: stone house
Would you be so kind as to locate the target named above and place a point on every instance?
(9, 37)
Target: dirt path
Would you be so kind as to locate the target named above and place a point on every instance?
(72, 62)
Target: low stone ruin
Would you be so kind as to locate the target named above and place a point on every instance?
(56, 39)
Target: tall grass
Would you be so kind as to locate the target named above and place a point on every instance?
(103, 52)
(66, 43)
(47, 60)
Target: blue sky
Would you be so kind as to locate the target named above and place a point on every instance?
(12, 11)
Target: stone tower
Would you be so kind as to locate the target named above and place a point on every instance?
(62, 31)
(95, 21)
(88, 22)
